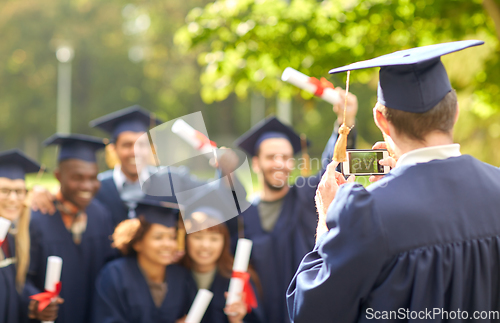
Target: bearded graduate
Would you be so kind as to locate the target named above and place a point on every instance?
(144, 286)
(282, 222)
(78, 232)
(14, 252)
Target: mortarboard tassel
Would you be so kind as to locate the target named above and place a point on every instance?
(152, 123)
(306, 170)
(340, 153)
(110, 156)
(181, 235)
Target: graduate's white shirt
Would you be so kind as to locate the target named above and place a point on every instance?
(120, 179)
(424, 155)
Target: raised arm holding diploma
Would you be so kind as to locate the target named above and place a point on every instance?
(193, 137)
(320, 88)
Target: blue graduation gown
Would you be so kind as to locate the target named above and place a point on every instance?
(109, 196)
(81, 263)
(123, 295)
(426, 236)
(215, 311)
(9, 298)
(276, 255)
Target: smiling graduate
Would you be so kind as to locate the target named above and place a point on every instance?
(78, 232)
(144, 286)
(14, 249)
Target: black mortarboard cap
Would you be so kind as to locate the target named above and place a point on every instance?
(160, 212)
(134, 118)
(76, 146)
(412, 80)
(268, 128)
(14, 164)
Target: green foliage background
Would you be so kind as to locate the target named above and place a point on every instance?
(177, 57)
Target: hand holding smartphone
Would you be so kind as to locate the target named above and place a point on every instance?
(365, 162)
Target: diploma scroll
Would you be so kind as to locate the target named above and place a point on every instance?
(241, 260)
(310, 85)
(193, 137)
(53, 275)
(199, 306)
(4, 229)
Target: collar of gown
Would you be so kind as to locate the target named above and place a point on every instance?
(424, 155)
(119, 178)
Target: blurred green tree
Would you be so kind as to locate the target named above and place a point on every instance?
(124, 55)
(248, 43)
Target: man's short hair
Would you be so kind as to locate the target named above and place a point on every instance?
(417, 126)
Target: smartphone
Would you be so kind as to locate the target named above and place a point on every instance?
(365, 162)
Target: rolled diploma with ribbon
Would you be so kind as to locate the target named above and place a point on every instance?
(199, 306)
(305, 82)
(4, 229)
(193, 137)
(241, 259)
(53, 275)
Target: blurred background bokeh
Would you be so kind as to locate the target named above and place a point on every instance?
(225, 59)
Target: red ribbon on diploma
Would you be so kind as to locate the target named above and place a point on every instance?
(250, 298)
(321, 85)
(204, 140)
(46, 297)
(1, 242)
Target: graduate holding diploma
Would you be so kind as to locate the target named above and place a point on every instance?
(211, 264)
(144, 286)
(78, 232)
(283, 222)
(424, 237)
(14, 243)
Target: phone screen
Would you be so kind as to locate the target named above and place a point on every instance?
(365, 162)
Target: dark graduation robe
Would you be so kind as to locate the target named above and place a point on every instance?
(81, 263)
(276, 255)
(123, 295)
(426, 236)
(10, 308)
(215, 311)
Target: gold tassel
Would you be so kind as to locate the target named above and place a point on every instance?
(340, 152)
(154, 158)
(306, 170)
(181, 235)
(111, 157)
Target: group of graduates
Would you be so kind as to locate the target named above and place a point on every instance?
(126, 257)
(427, 235)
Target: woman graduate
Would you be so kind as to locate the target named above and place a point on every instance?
(143, 286)
(14, 251)
(210, 261)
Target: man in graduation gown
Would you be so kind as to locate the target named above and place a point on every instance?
(283, 219)
(78, 232)
(424, 241)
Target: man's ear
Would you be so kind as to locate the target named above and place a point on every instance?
(457, 113)
(255, 165)
(381, 121)
(57, 174)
